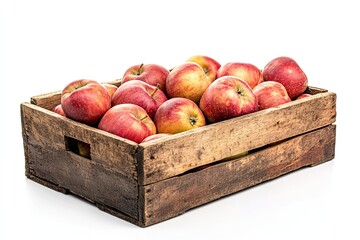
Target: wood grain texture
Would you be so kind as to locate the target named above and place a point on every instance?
(109, 178)
(48, 101)
(151, 182)
(84, 178)
(165, 158)
(44, 128)
(173, 196)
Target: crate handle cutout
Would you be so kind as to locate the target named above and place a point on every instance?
(78, 147)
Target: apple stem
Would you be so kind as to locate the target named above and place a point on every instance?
(140, 69)
(157, 88)
(143, 117)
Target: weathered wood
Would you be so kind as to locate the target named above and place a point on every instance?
(165, 158)
(84, 178)
(173, 196)
(150, 182)
(109, 178)
(44, 128)
(48, 101)
(314, 90)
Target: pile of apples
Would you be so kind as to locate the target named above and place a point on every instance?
(153, 102)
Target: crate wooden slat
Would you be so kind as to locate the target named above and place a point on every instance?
(205, 145)
(173, 196)
(151, 182)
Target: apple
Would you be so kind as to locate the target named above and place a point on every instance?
(236, 156)
(287, 72)
(227, 97)
(304, 95)
(110, 88)
(128, 121)
(270, 94)
(178, 115)
(85, 101)
(245, 71)
(208, 64)
(59, 110)
(187, 80)
(155, 136)
(152, 74)
(84, 149)
(139, 93)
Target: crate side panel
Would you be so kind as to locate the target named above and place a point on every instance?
(110, 180)
(188, 150)
(45, 128)
(84, 178)
(171, 197)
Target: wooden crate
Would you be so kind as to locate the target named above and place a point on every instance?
(154, 181)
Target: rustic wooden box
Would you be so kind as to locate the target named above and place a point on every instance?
(154, 181)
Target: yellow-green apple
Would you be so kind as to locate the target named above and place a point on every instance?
(304, 95)
(152, 74)
(178, 115)
(245, 71)
(286, 71)
(128, 121)
(85, 101)
(236, 156)
(270, 94)
(227, 97)
(84, 149)
(155, 136)
(187, 80)
(208, 64)
(140, 93)
(58, 109)
(110, 88)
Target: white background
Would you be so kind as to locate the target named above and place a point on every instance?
(46, 44)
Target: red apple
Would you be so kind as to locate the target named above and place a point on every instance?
(110, 88)
(178, 115)
(59, 110)
(155, 136)
(227, 97)
(270, 94)
(187, 81)
(85, 101)
(245, 71)
(128, 121)
(140, 93)
(208, 64)
(152, 74)
(304, 95)
(287, 72)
